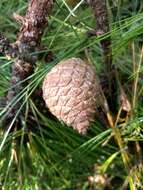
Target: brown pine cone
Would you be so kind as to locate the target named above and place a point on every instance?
(72, 92)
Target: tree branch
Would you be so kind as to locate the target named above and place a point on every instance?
(28, 41)
(99, 9)
(102, 27)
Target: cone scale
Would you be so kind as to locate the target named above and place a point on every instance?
(72, 93)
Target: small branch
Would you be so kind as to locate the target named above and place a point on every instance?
(99, 9)
(102, 27)
(111, 75)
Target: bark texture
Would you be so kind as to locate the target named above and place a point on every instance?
(99, 8)
(28, 41)
(9, 50)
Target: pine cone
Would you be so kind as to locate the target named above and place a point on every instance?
(72, 92)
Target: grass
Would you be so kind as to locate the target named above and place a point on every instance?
(44, 153)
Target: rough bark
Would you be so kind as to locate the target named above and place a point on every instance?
(28, 41)
(100, 12)
(7, 49)
(112, 87)
(102, 27)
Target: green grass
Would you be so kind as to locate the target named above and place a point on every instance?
(44, 153)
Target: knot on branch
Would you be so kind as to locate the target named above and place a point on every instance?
(21, 68)
(9, 50)
(26, 52)
(4, 43)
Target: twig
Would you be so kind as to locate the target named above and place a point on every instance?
(102, 27)
(114, 91)
(136, 70)
(110, 74)
(99, 8)
(28, 41)
(135, 85)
